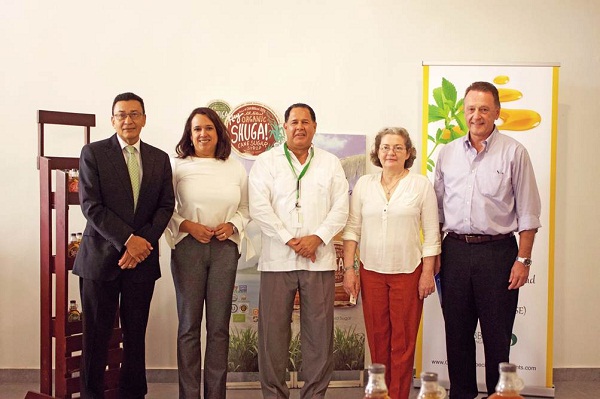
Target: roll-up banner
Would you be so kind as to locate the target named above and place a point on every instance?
(255, 128)
(529, 101)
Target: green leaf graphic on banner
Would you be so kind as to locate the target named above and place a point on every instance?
(435, 114)
(447, 108)
(438, 97)
(449, 91)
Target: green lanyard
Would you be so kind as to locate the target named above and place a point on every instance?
(298, 178)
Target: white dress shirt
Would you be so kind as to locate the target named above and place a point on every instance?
(323, 201)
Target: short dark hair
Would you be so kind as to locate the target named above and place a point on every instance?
(485, 87)
(398, 131)
(185, 148)
(128, 97)
(286, 116)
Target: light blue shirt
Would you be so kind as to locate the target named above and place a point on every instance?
(491, 192)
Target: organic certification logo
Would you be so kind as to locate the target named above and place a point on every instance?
(221, 108)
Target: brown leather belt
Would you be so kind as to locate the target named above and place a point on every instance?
(479, 238)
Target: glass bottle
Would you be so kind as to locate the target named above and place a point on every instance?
(73, 246)
(74, 313)
(73, 182)
(509, 383)
(376, 387)
(430, 389)
(79, 237)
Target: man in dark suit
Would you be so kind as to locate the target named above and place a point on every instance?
(126, 195)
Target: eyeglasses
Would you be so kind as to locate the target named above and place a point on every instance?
(388, 148)
(121, 116)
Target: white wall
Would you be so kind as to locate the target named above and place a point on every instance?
(358, 63)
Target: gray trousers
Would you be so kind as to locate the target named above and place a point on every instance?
(277, 292)
(203, 274)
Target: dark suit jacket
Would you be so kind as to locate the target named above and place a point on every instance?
(106, 200)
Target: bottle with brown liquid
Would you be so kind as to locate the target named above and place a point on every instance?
(74, 313)
(509, 384)
(376, 387)
(73, 246)
(430, 389)
(73, 181)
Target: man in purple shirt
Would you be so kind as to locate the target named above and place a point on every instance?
(486, 192)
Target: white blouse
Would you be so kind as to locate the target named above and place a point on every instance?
(389, 231)
(208, 191)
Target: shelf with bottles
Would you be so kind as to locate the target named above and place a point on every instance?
(60, 340)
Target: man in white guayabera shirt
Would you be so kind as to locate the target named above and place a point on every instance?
(299, 198)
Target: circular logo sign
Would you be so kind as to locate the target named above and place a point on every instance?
(253, 128)
(221, 108)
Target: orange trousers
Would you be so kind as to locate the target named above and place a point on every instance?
(392, 311)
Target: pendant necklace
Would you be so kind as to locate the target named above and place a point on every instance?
(390, 189)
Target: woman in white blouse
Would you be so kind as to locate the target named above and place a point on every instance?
(211, 212)
(388, 210)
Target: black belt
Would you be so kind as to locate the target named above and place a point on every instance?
(479, 238)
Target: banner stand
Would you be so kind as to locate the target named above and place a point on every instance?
(529, 100)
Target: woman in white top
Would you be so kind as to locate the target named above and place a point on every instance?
(388, 210)
(211, 212)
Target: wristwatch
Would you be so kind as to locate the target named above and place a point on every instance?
(526, 261)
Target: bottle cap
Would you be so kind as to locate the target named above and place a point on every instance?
(428, 376)
(377, 368)
(507, 367)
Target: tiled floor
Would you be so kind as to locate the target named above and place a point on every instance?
(564, 390)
